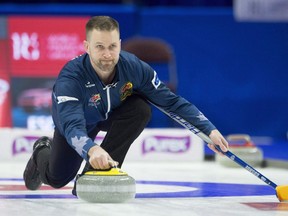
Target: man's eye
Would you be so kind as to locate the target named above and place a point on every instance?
(113, 46)
(99, 47)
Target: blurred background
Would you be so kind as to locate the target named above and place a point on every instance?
(229, 58)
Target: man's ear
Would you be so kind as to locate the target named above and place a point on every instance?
(86, 46)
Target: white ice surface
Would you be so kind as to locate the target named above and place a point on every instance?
(160, 171)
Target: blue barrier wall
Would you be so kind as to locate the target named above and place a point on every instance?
(236, 73)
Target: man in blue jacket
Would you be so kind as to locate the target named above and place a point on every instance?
(105, 89)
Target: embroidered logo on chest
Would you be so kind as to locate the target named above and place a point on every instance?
(126, 90)
(94, 100)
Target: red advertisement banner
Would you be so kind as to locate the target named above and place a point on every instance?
(5, 106)
(5, 86)
(40, 46)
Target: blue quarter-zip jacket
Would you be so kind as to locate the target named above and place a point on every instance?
(81, 100)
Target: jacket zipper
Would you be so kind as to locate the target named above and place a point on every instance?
(107, 89)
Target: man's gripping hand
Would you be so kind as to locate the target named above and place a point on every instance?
(100, 159)
(219, 140)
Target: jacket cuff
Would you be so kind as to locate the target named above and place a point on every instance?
(86, 149)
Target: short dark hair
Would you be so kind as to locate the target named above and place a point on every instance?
(102, 23)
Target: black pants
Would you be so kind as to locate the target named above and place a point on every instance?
(61, 164)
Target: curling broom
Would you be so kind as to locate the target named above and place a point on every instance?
(281, 190)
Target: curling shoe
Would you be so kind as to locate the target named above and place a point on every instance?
(31, 174)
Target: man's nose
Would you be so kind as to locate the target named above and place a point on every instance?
(107, 53)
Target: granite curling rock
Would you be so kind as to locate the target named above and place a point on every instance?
(106, 186)
(242, 146)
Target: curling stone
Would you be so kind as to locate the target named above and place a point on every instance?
(242, 146)
(106, 186)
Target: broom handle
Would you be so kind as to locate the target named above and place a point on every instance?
(229, 154)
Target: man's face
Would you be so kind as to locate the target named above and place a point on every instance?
(103, 48)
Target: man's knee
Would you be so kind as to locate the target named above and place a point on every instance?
(57, 183)
(141, 108)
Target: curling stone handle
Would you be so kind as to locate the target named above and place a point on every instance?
(113, 164)
(239, 137)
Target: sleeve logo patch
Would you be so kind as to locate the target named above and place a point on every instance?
(62, 99)
(156, 81)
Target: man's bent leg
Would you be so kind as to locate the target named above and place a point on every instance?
(124, 125)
